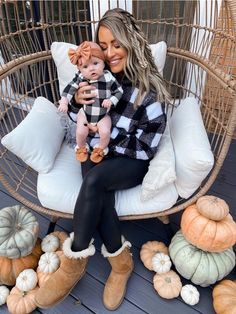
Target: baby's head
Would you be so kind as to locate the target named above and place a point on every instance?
(89, 58)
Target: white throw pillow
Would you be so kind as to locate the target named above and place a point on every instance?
(161, 171)
(38, 138)
(193, 156)
(66, 70)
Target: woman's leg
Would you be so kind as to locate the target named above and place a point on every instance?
(109, 224)
(110, 175)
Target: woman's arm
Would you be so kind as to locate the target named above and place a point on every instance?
(141, 142)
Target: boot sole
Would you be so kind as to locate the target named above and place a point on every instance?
(63, 298)
(122, 298)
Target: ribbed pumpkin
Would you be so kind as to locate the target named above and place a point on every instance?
(212, 207)
(207, 234)
(224, 297)
(18, 231)
(167, 285)
(19, 302)
(202, 268)
(149, 249)
(11, 268)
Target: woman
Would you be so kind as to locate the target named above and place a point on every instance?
(138, 123)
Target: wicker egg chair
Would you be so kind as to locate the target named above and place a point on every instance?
(201, 62)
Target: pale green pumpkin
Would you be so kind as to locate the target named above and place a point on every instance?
(18, 231)
(201, 267)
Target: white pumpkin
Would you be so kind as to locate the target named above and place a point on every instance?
(161, 263)
(18, 231)
(50, 243)
(48, 262)
(190, 294)
(4, 293)
(27, 280)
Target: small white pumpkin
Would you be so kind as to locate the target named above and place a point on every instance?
(190, 294)
(48, 262)
(4, 293)
(27, 280)
(161, 263)
(50, 243)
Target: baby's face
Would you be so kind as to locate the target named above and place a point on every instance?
(92, 69)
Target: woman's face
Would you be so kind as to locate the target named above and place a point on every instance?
(115, 55)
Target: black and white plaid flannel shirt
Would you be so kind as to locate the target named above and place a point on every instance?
(135, 132)
(107, 87)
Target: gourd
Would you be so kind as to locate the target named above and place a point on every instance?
(190, 294)
(212, 207)
(161, 263)
(27, 280)
(11, 268)
(149, 249)
(224, 297)
(207, 234)
(19, 302)
(50, 243)
(48, 264)
(18, 231)
(4, 293)
(202, 268)
(167, 285)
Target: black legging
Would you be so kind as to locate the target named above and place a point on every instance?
(95, 205)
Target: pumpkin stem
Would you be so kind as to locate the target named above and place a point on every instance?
(24, 293)
(168, 279)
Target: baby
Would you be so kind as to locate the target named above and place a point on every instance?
(89, 59)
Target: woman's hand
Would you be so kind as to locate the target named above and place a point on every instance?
(85, 93)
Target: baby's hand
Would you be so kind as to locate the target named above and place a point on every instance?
(63, 105)
(106, 103)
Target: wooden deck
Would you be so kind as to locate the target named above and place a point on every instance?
(141, 297)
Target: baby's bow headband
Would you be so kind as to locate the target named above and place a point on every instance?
(84, 52)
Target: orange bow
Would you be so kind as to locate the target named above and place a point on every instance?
(80, 54)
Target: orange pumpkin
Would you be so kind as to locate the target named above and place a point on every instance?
(167, 285)
(207, 234)
(149, 249)
(224, 297)
(19, 302)
(10, 268)
(212, 207)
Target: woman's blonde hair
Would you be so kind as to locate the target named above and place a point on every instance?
(140, 67)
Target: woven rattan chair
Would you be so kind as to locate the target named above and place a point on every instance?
(201, 62)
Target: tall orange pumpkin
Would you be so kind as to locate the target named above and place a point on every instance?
(207, 234)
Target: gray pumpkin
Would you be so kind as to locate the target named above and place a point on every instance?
(201, 267)
(18, 231)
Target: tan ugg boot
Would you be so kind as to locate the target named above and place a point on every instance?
(72, 268)
(122, 266)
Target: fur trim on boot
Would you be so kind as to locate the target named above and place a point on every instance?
(81, 254)
(71, 270)
(122, 266)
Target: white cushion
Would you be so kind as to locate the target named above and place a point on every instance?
(66, 70)
(38, 138)
(161, 171)
(59, 188)
(193, 156)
